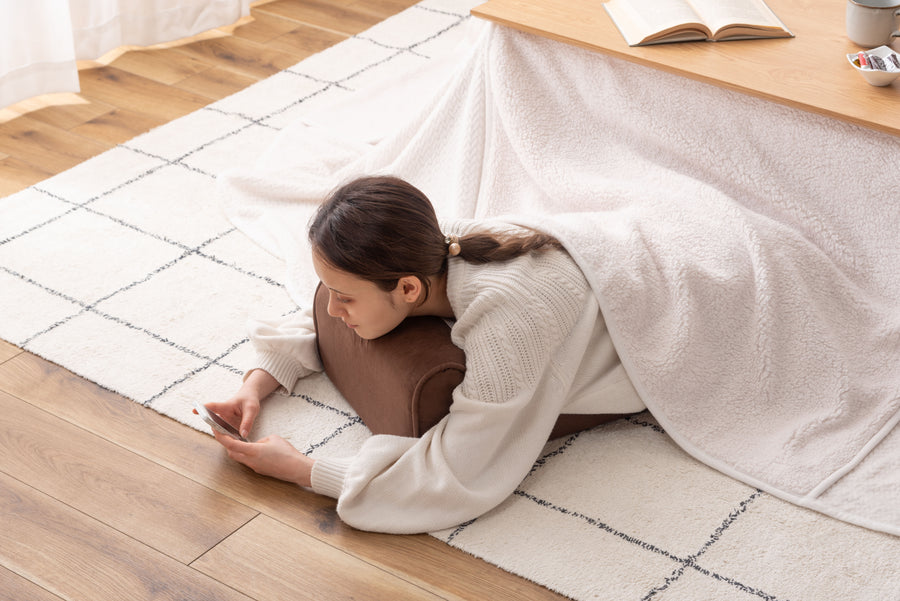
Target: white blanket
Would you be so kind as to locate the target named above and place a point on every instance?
(745, 254)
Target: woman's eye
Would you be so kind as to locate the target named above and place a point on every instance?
(343, 300)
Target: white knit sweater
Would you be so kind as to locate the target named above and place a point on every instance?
(536, 346)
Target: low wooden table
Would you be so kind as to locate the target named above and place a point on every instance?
(809, 71)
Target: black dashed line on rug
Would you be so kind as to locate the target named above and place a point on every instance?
(196, 371)
(440, 12)
(149, 171)
(274, 113)
(327, 83)
(237, 268)
(600, 525)
(401, 49)
(51, 292)
(538, 464)
(691, 561)
(321, 405)
(542, 461)
(212, 108)
(635, 419)
(353, 421)
(77, 205)
(197, 250)
(462, 19)
(177, 162)
(38, 226)
(93, 306)
(739, 585)
(459, 530)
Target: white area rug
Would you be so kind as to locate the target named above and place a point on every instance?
(124, 270)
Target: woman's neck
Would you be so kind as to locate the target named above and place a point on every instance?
(437, 303)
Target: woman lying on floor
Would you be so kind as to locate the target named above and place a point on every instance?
(535, 342)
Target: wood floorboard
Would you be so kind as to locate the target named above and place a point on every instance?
(123, 89)
(45, 147)
(167, 66)
(261, 561)
(101, 498)
(327, 14)
(8, 351)
(117, 126)
(96, 477)
(71, 111)
(16, 588)
(241, 56)
(306, 41)
(421, 559)
(215, 83)
(263, 28)
(75, 556)
(16, 174)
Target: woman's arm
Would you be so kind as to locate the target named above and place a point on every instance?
(286, 347)
(285, 352)
(520, 362)
(243, 407)
(270, 456)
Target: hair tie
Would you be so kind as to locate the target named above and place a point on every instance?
(452, 242)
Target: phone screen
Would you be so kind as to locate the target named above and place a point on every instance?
(217, 422)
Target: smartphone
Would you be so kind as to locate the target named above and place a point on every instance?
(217, 422)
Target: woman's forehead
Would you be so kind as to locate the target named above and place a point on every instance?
(337, 280)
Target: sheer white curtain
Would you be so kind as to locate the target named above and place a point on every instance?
(40, 40)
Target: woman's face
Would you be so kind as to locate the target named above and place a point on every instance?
(364, 307)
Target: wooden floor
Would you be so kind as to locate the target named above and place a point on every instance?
(102, 499)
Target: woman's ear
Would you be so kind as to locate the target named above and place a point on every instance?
(411, 289)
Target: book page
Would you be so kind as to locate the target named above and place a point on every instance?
(651, 16)
(719, 13)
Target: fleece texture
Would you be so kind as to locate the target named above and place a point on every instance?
(748, 269)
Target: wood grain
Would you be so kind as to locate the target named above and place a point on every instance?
(242, 56)
(215, 83)
(166, 66)
(45, 147)
(421, 559)
(74, 556)
(110, 500)
(809, 71)
(269, 560)
(70, 110)
(121, 88)
(89, 474)
(335, 16)
(14, 588)
(8, 351)
(16, 174)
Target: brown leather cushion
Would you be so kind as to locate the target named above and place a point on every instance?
(402, 383)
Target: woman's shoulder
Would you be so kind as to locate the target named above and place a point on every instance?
(545, 282)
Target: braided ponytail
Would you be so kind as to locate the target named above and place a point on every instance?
(487, 247)
(382, 228)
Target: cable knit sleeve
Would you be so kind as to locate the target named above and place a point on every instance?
(286, 347)
(523, 328)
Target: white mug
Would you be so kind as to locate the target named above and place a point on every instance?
(872, 23)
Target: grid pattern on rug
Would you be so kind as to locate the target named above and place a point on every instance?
(124, 266)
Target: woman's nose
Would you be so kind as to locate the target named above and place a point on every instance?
(333, 306)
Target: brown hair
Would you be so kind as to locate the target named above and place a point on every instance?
(382, 228)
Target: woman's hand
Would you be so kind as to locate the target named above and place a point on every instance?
(241, 409)
(271, 456)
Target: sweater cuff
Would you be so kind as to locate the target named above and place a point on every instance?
(327, 476)
(281, 367)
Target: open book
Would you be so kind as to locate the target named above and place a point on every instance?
(645, 22)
